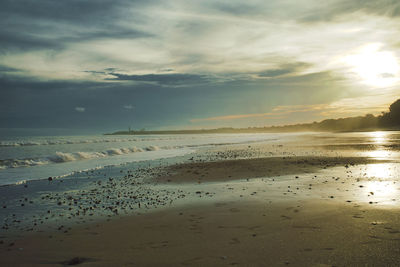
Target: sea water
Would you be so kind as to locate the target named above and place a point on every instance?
(32, 158)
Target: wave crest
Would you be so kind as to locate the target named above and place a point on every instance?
(60, 157)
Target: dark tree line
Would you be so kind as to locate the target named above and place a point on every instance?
(388, 120)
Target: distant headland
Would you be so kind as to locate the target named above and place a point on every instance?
(386, 121)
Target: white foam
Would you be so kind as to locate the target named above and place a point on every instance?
(72, 142)
(152, 148)
(61, 157)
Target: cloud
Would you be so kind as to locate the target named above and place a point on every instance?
(341, 108)
(234, 117)
(163, 79)
(54, 25)
(309, 11)
(223, 37)
(129, 106)
(225, 61)
(336, 10)
(291, 68)
(387, 75)
(278, 111)
(7, 69)
(77, 12)
(33, 84)
(80, 109)
(11, 41)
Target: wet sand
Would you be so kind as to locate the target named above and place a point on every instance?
(305, 211)
(244, 234)
(228, 170)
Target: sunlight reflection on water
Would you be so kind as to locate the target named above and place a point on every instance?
(379, 139)
(379, 154)
(381, 185)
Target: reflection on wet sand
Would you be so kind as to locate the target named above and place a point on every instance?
(382, 187)
(382, 191)
(380, 171)
(379, 137)
(379, 154)
(382, 150)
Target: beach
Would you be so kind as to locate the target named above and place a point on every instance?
(329, 200)
(201, 133)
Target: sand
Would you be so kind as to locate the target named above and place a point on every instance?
(302, 211)
(244, 234)
(228, 170)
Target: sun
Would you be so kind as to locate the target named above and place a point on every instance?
(373, 66)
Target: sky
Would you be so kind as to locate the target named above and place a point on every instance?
(101, 66)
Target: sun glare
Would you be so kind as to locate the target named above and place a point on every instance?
(379, 137)
(373, 66)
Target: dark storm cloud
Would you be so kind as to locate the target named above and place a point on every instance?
(11, 41)
(7, 69)
(24, 41)
(274, 73)
(95, 72)
(45, 24)
(164, 79)
(10, 83)
(111, 33)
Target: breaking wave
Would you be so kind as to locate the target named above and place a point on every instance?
(61, 142)
(60, 157)
(72, 142)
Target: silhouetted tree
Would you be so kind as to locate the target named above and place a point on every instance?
(395, 108)
(391, 118)
(395, 112)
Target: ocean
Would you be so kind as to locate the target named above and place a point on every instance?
(40, 157)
